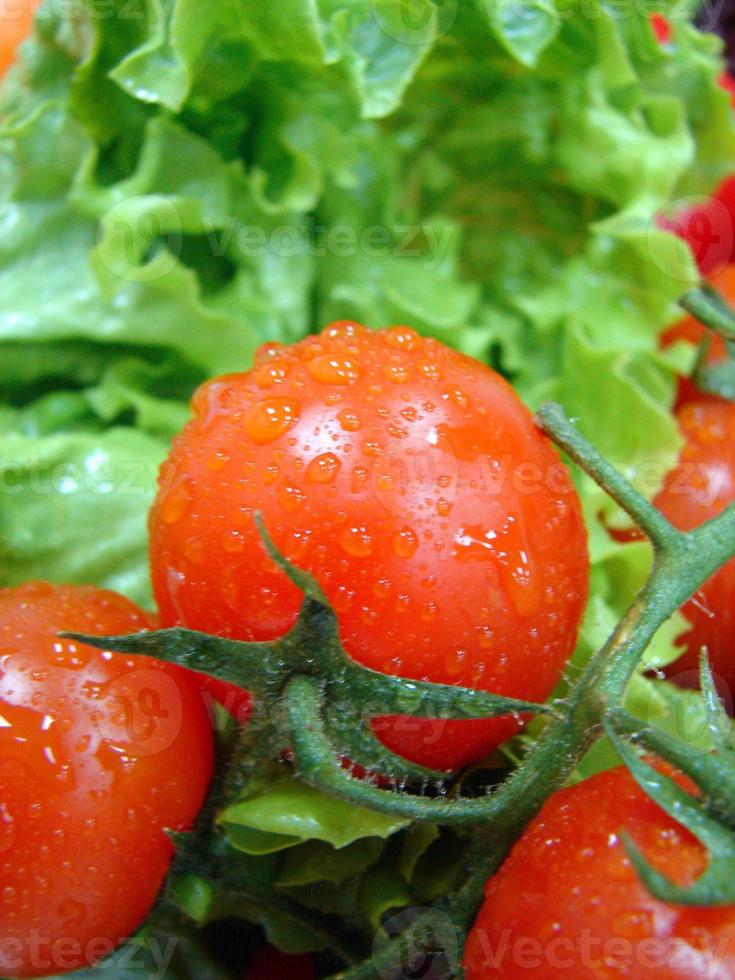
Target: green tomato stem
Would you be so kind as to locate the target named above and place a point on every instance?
(710, 309)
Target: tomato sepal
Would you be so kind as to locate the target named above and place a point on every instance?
(710, 817)
(719, 722)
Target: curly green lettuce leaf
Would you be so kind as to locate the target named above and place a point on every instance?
(378, 46)
(73, 508)
(283, 812)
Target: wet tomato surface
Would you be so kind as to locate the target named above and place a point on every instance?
(100, 754)
(567, 901)
(414, 484)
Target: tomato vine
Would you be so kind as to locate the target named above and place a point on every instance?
(312, 700)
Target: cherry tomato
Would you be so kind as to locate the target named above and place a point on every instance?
(692, 331)
(16, 19)
(567, 901)
(270, 963)
(100, 754)
(413, 483)
(700, 486)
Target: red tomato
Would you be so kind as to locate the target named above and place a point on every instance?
(728, 83)
(661, 28)
(700, 486)
(567, 901)
(708, 228)
(412, 482)
(99, 754)
(270, 963)
(692, 331)
(16, 19)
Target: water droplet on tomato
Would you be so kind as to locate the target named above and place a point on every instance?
(456, 662)
(368, 615)
(634, 925)
(430, 371)
(342, 330)
(428, 611)
(359, 476)
(216, 400)
(7, 828)
(484, 637)
(291, 498)
(508, 548)
(176, 502)
(268, 352)
(357, 541)
(218, 460)
(402, 603)
(405, 543)
(457, 396)
(195, 551)
(91, 690)
(69, 656)
(300, 541)
(269, 419)
(402, 338)
(323, 469)
(443, 507)
(233, 541)
(271, 474)
(273, 373)
(383, 481)
(397, 374)
(334, 369)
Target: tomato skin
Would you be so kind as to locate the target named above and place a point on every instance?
(690, 330)
(661, 28)
(384, 463)
(16, 19)
(567, 901)
(270, 963)
(699, 487)
(99, 754)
